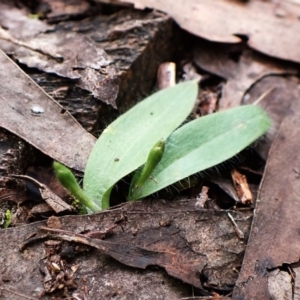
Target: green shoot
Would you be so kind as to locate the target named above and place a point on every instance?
(68, 180)
(8, 218)
(154, 157)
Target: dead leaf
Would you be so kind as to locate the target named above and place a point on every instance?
(55, 202)
(45, 175)
(223, 21)
(57, 10)
(277, 105)
(241, 68)
(31, 114)
(41, 209)
(20, 26)
(166, 238)
(54, 222)
(275, 230)
(161, 246)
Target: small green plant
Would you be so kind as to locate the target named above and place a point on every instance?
(127, 144)
(8, 218)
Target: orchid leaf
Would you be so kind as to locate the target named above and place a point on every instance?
(124, 145)
(204, 143)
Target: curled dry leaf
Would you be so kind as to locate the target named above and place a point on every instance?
(55, 202)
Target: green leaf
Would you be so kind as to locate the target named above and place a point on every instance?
(204, 143)
(124, 145)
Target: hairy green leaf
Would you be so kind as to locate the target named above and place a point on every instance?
(204, 143)
(124, 145)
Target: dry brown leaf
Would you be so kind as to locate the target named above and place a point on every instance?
(274, 236)
(198, 246)
(240, 67)
(15, 19)
(30, 113)
(54, 201)
(285, 90)
(58, 10)
(272, 27)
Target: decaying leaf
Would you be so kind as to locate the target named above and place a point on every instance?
(165, 238)
(56, 10)
(272, 27)
(275, 231)
(241, 68)
(162, 247)
(277, 104)
(29, 112)
(55, 202)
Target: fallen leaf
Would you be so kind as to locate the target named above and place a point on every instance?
(277, 104)
(55, 202)
(275, 230)
(16, 20)
(223, 21)
(58, 10)
(240, 67)
(162, 247)
(205, 253)
(31, 114)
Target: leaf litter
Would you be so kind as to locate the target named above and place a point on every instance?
(167, 220)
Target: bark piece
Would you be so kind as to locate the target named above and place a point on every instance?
(87, 62)
(241, 187)
(135, 42)
(280, 285)
(296, 282)
(202, 235)
(65, 53)
(273, 240)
